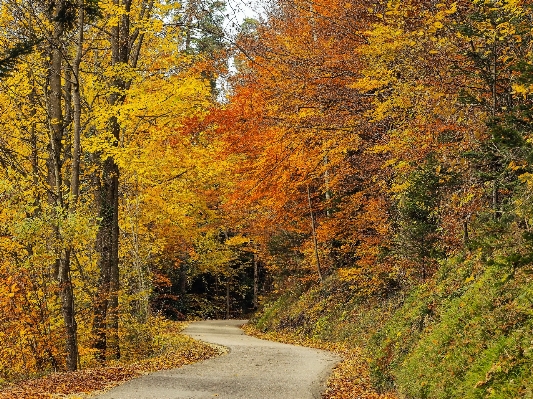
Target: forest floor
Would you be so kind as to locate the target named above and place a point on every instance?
(178, 350)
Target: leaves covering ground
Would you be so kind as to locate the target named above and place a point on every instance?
(172, 350)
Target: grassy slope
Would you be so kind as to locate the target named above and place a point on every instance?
(468, 333)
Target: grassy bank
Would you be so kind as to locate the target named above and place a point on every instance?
(466, 333)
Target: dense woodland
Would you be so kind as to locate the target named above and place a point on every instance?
(373, 158)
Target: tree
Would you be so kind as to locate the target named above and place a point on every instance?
(63, 109)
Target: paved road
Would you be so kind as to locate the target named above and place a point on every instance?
(252, 369)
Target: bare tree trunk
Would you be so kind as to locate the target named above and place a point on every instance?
(55, 165)
(228, 310)
(113, 345)
(76, 99)
(183, 284)
(125, 50)
(99, 326)
(313, 228)
(68, 310)
(105, 323)
(495, 199)
(326, 184)
(256, 281)
(55, 113)
(106, 247)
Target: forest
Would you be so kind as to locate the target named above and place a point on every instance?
(339, 171)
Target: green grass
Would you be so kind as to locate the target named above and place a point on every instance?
(467, 333)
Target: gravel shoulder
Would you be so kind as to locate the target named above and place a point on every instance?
(252, 369)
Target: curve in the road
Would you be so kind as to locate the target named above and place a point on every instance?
(252, 369)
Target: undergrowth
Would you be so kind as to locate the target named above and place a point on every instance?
(466, 333)
(167, 348)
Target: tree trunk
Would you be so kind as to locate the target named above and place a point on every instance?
(125, 50)
(67, 308)
(76, 100)
(105, 323)
(313, 230)
(326, 185)
(99, 326)
(55, 165)
(106, 303)
(183, 285)
(256, 281)
(113, 345)
(228, 309)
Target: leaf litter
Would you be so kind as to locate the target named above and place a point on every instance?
(178, 351)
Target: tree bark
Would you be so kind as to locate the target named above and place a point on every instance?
(76, 100)
(256, 281)
(313, 230)
(107, 247)
(68, 310)
(326, 185)
(125, 50)
(55, 165)
(228, 309)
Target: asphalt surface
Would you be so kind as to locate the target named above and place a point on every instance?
(252, 369)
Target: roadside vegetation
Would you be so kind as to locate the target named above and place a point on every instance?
(466, 333)
(161, 347)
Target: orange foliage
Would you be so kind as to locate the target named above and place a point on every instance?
(353, 100)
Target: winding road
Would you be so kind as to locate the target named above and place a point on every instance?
(252, 369)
